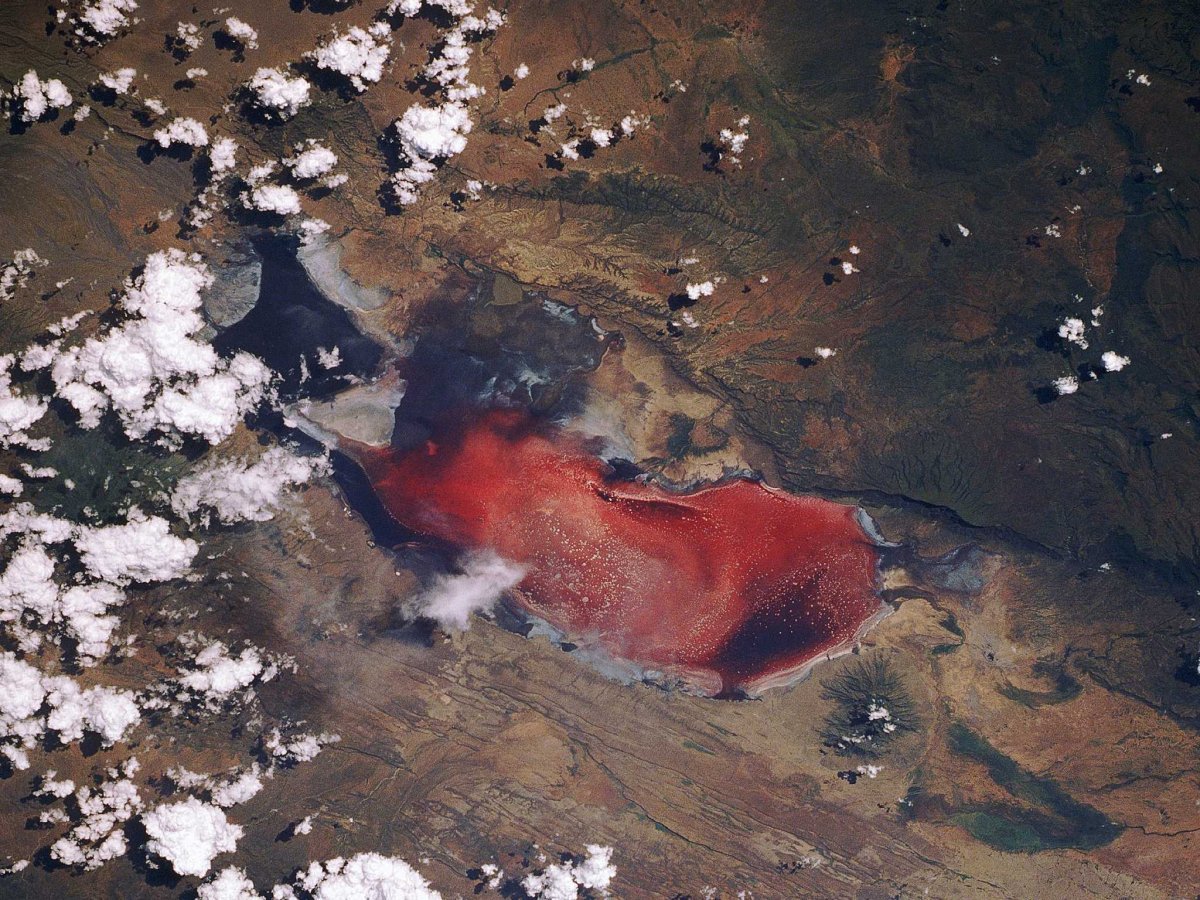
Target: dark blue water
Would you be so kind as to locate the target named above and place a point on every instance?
(291, 321)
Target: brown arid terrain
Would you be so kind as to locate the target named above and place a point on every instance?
(995, 167)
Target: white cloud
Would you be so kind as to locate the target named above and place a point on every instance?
(227, 790)
(1071, 330)
(118, 81)
(238, 491)
(222, 156)
(701, 289)
(189, 834)
(99, 20)
(365, 875)
(427, 133)
(1067, 384)
(150, 369)
(29, 596)
(84, 609)
(434, 132)
(106, 712)
(34, 99)
(187, 37)
(17, 271)
(20, 702)
(280, 199)
(243, 787)
(27, 586)
(298, 748)
(437, 132)
(631, 123)
(279, 93)
(312, 160)
(310, 228)
(184, 131)
(359, 54)
(1114, 362)
(242, 32)
(72, 711)
(230, 883)
(141, 550)
(216, 675)
(484, 579)
(51, 787)
(733, 143)
(97, 833)
(18, 412)
(329, 358)
(562, 881)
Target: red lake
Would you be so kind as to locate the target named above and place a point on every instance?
(729, 586)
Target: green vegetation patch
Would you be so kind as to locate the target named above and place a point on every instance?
(1060, 822)
(101, 475)
(1065, 687)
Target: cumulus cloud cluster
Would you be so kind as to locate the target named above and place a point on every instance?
(96, 21)
(151, 370)
(119, 81)
(428, 135)
(213, 677)
(97, 832)
(358, 54)
(584, 140)
(242, 32)
(277, 93)
(276, 199)
(268, 189)
(732, 141)
(187, 38)
(563, 881)
(289, 749)
(142, 550)
(32, 99)
(62, 582)
(33, 704)
(184, 131)
(362, 875)
(1073, 332)
(19, 411)
(189, 834)
(16, 272)
(231, 883)
(312, 160)
(34, 606)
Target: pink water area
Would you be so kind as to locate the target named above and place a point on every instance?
(728, 585)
